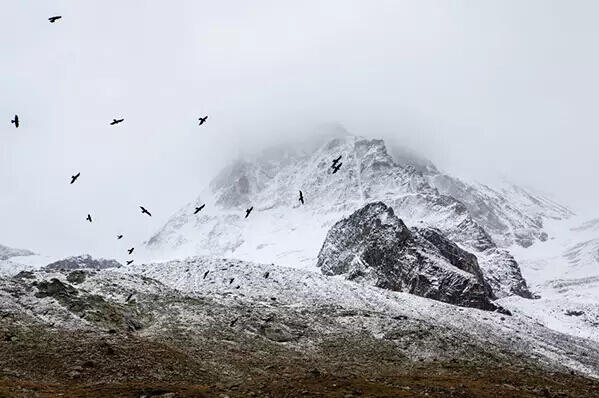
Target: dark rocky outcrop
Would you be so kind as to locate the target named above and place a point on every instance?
(76, 277)
(375, 246)
(456, 256)
(91, 307)
(83, 262)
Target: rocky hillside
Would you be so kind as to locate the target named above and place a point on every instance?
(375, 246)
(208, 327)
(479, 219)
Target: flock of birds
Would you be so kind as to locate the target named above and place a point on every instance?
(16, 121)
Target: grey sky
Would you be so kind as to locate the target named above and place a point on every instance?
(480, 87)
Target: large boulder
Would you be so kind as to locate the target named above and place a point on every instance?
(373, 245)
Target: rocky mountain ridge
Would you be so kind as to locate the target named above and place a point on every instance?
(479, 219)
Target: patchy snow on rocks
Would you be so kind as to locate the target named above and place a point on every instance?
(368, 308)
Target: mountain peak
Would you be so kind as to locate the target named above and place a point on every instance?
(282, 230)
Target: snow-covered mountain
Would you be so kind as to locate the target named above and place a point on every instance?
(280, 230)
(334, 282)
(8, 252)
(15, 260)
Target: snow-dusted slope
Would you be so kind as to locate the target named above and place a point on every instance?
(509, 213)
(14, 260)
(282, 231)
(564, 272)
(305, 291)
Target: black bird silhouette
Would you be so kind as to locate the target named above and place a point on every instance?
(129, 262)
(116, 121)
(144, 211)
(301, 198)
(248, 211)
(129, 297)
(336, 160)
(119, 236)
(203, 120)
(233, 322)
(15, 121)
(131, 250)
(231, 280)
(198, 209)
(74, 178)
(336, 168)
(266, 274)
(205, 274)
(89, 218)
(54, 19)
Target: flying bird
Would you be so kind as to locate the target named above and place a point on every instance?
(15, 121)
(131, 250)
(248, 211)
(129, 262)
(301, 197)
(119, 236)
(336, 168)
(116, 121)
(198, 209)
(266, 274)
(89, 218)
(129, 297)
(231, 280)
(203, 120)
(336, 160)
(54, 19)
(144, 211)
(233, 322)
(205, 274)
(74, 178)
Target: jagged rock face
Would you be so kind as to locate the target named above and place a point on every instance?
(456, 256)
(8, 252)
(282, 231)
(374, 245)
(83, 262)
(509, 213)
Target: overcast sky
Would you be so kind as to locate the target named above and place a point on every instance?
(480, 87)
